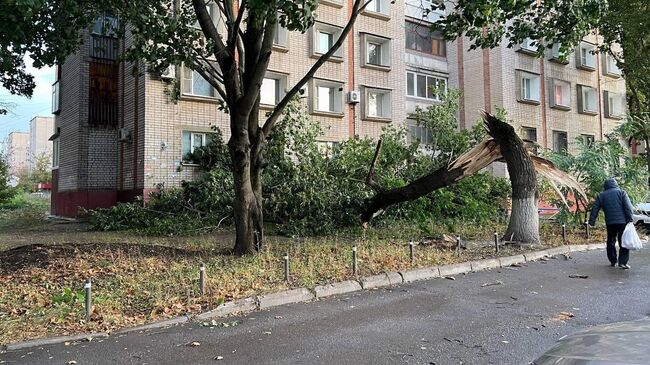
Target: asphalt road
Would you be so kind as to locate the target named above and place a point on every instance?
(439, 322)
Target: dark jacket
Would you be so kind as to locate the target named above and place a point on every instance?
(614, 202)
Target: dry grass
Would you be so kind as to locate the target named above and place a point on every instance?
(140, 279)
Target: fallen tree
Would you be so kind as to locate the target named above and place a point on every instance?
(505, 145)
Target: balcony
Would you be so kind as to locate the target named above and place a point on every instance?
(418, 8)
(56, 97)
(103, 92)
(104, 47)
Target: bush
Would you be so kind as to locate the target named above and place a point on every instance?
(312, 191)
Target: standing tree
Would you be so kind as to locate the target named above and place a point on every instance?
(6, 191)
(163, 33)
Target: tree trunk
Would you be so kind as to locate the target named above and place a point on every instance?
(524, 220)
(647, 157)
(246, 206)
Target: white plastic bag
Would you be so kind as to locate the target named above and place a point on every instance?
(630, 239)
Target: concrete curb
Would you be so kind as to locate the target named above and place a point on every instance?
(381, 280)
(54, 340)
(485, 264)
(304, 294)
(456, 269)
(512, 260)
(420, 274)
(343, 287)
(155, 325)
(228, 308)
(285, 297)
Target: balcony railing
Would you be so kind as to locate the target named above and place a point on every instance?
(103, 47)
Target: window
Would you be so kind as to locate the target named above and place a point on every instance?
(56, 97)
(328, 97)
(423, 10)
(587, 100)
(328, 148)
(213, 10)
(529, 87)
(55, 153)
(614, 105)
(102, 93)
(376, 50)
(587, 139)
(560, 142)
(191, 141)
(560, 94)
(377, 103)
(323, 38)
(418, 133)
(529, 135)
(420, 38)
(611, 67)
(425, 86)
(586, 58)
(378, 6)
(280, 36)
(558, 54)
(528, 46)
(272, 89)
(105, 25)
(194, 84)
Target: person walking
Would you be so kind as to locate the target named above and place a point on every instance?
(618, 213)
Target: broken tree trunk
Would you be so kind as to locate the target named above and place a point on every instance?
(524, 219)
(505, 144)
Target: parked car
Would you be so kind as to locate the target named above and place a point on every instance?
(642, 214)
(611, 344)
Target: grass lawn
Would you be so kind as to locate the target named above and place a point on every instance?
(138, 279)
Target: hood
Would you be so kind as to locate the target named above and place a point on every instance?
(610, 184)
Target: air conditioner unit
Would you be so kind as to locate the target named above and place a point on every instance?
(354, 97)
(124, 135)
(303, 92)
(169, 73)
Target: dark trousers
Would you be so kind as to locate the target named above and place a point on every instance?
(614, 233)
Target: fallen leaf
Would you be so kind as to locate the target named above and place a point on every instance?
(498, 282)
(267, 332)
(193, 344)
(505, 342)
(578, 276)
(219, 358)
(71, 362)
(450, 278)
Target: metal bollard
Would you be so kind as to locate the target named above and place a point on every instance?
(458, 244)
(587, 229)
(411, 251)
(88, 287)
(496, 241)
(286, 266)
(354, 259)
(202, 279)
(564, 233)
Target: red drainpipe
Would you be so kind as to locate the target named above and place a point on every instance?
(351, 107)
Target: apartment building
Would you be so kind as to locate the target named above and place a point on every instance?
(17, 145)
(552, 100)
(119, 136)
(40, 130)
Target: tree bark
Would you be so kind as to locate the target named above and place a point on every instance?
(524, 220)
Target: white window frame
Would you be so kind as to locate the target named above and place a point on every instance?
(583, 93)
(193, 135)
(527, 46)
(56, 153)
(613, 111)
(56, 96)
(529, 87)
(416, 132)
(384, 97)
(281, 36)
(328, 148)
(280, 87)
(429, 93)
(557, 56)
(566, 94)
(185, 81)
(586, 137)
(335, 31)
(610, 67)
(336, 101)
(378, 7)
(384, 51)
(585, 58)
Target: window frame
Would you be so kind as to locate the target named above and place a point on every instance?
(521, 75)
(411, 27)
(386, 103)
(192, 133)
(56, 153)
(385, 55)
(554, 104)
(335, 31)
(412, 126)
(280, 87)
(438, 78)
(56, 97)
(608, 61)
(587, 138)
(337, 98)
(581, 89)
(609, 97)
(556, 134)
(383, 12)
(184, 80)
(557, 57)
(584, 64)
(526, 47)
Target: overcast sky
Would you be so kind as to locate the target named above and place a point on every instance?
(25, 109)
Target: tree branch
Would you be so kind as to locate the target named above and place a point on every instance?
(208, 28)
(371, 173)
